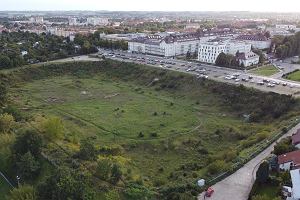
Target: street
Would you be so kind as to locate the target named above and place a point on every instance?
(233, 76)
(238, 185)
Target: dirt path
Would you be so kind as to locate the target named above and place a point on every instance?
(238, 185)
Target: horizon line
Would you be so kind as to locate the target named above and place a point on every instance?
(222, 11)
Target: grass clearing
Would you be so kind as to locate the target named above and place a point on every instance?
(266, 70)
(294, 76)
(167, 135)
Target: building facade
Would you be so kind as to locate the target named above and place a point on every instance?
(97, 21)
(258, 41)
(209, 51)
(286, 26)
(167, 46)
(248, 59)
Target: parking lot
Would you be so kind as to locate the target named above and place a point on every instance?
(233, 76)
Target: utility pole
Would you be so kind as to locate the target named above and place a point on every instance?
(18, 180)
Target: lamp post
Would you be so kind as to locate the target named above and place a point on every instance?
(18, 180)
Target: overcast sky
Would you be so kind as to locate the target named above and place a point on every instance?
(151, 5)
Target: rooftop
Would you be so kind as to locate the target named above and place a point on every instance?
(293, 156)
(295, 175)
(256, 37)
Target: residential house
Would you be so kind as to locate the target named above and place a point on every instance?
(289, 160)
(248, 59)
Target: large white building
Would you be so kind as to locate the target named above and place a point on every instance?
(174, 44)
(209, 51)
(37, 20)
(258, 41)
(168, 46)
(286, 26)
(73, 21)
(97, 21)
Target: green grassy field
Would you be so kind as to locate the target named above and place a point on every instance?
(168, 133)
(267, 70)
(294, 76)
(117, 112)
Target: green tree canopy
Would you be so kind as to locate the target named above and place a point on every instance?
(262, 174)
(28, 167)
(64, 184)
(23, 192)
(30, 141)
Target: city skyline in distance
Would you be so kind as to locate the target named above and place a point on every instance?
(154, 5)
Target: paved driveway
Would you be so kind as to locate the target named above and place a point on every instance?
(238, 185)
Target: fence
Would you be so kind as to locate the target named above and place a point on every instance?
(261, 147)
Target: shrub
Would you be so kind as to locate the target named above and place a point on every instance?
(6, 122)
(141, 134)
(154, 134)
(23, 192)
(283, 146)
(53, 128)
(28, 167)
(87, 150)
(217, 166)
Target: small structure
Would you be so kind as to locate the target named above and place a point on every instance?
(201, 182)
(296, 139)
(289, 160)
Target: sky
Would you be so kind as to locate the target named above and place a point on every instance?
(154, 5)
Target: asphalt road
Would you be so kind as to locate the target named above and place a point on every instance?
(238, 185)
(214, 72)
(76, 58)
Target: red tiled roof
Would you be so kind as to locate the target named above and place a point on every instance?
(296, 137)
(288, 157)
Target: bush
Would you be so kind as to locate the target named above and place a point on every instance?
(64, 184)
(30, 141)
(283, 146)
(137, 192)
(154, 134)
(217, 166)
(28, 167)
(141, 134)
(23, 192)
(53, 128)
(103, 169)
(87, 150)
(6, 122)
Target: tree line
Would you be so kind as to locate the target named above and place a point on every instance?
(95, 40)
(287, 46)
(20, 48)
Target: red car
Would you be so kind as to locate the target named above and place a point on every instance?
(209, 192)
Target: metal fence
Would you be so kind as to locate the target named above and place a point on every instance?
(260, 148)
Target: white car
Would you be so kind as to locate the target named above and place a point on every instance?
(270, 85)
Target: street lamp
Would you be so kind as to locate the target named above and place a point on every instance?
(18, 179)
